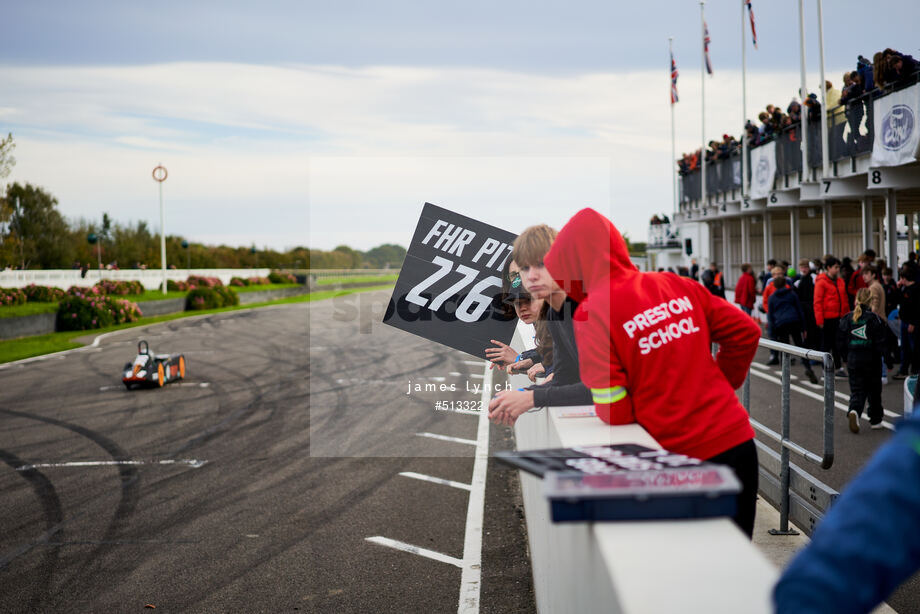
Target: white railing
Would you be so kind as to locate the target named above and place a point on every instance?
(698, 565)
(150, 278)
(662, 236)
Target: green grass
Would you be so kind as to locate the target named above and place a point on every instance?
(29, 309)
(327, 281)
(153, 295)
(26, 347)
(242, 289)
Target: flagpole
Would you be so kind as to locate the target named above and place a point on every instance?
(744, 143)
(803, 93)
(703, 100)
(825, 154)
(673, 147)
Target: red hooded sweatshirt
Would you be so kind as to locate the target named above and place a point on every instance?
(644, 343)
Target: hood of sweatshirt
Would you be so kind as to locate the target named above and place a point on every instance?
(586, 253)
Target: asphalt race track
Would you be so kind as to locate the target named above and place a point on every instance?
(254, 485)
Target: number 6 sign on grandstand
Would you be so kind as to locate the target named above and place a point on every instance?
(450, 284)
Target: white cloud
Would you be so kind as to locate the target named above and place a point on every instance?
(250, 148)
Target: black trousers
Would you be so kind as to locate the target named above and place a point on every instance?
(865, 375)
(743, 461)
(829, 339)
(783, 332)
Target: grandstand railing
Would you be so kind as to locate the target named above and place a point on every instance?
(850, 135)
(663, 236)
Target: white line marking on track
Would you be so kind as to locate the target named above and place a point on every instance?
(757, 365)
(476, 376)
(468, 412)
(473, 363)
(820, 397)
(430, 478)
(398, 545)
(471, 574)
(195, 464)
(468, 442)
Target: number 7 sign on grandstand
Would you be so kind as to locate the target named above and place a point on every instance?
(449, 288)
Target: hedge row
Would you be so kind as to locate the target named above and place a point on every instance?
(84, 312)
(210, 298)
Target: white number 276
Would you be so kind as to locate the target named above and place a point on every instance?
(475, 296)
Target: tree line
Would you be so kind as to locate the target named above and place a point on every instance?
(34, 235)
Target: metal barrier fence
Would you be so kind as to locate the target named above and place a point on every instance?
(324, 273)
(797, 494)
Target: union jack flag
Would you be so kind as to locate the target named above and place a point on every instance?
(753, 29)
(706, 47)
(674, 74)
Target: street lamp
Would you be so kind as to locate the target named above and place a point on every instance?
(159, 175)
(188, 257)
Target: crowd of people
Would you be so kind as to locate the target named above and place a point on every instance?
(889, 70)
(609, 335)
(854, 311)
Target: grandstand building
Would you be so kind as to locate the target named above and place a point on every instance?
(853, 187)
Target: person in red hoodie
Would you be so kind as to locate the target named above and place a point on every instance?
(644, 346)
(831, 302)
(746, 289)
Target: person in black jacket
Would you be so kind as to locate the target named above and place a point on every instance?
(805, 290)
(712, 279)
(786, 318)
(909, 312)
(861, 339)
(566, 387)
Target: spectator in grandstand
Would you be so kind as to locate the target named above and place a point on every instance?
(787, 319)
(752, 134)
(899, 68)
(712, 279)
(624, 354)
(766, 127)
(794, 111)
(566, 387)
(854, 105)
(861, 340)
(830, 304)
(864, 69)
(814, 109)
(868, 543)
(746, 289)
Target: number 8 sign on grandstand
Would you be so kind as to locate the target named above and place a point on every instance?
(449, 289)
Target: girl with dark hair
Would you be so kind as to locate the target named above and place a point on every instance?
(861, 339)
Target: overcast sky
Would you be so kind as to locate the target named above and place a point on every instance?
(308, 123)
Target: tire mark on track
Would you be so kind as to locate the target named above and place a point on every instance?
(130, 491)
(54, 520)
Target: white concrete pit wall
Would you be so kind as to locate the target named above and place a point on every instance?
(705, 565)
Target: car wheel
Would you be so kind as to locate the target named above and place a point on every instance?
(161, 374)
(182, 367)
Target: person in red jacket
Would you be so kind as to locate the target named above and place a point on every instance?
(746, 289)
(644, 346)
(831, 302)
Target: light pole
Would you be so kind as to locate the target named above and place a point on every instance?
(159, 175)
(188, 257)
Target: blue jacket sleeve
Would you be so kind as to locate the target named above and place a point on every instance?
(868, 543)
